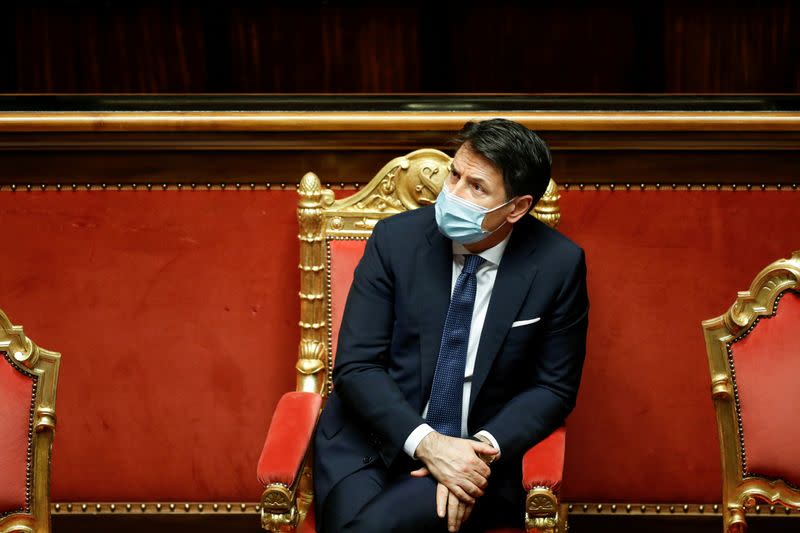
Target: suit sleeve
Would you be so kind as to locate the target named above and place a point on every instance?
(360, 377)
(538, 410)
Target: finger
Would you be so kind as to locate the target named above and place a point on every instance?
(420, 472)
(452, 513)
(470, 489)
(481, 468)
(459, 493)
(467, 511)
(460, 516)
(478, 480)
(441, 500)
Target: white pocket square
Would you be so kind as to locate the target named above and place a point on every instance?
(519, 323)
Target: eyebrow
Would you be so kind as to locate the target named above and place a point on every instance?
(485, 183)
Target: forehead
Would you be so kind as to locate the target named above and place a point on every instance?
(470, 163)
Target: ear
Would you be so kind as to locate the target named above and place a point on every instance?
(522, 207)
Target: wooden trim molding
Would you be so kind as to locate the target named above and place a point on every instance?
(156, 508)
(264, 121)
(655, 509)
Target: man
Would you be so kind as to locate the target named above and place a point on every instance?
(461, 346)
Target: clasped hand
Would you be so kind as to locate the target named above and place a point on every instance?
(461, 473)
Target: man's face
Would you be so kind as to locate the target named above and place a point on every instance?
(476, 179)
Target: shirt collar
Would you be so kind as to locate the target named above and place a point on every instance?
(492, 255)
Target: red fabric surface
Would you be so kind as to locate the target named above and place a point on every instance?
(176, 316)
(289, 437)
(767, 364)
(345, 256)
(15, 404)
(659, 262)
(544, 463)
(176, 313)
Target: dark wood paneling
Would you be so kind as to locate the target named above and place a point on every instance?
(110, 47)
(732, 47)
(549, 48)
(359, 166)
(324, 49)
(660, 46)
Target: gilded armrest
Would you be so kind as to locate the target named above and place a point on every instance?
(542, 471)
(283, 458)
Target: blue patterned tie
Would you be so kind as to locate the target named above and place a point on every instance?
(444, 409)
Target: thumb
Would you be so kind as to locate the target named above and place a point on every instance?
(420, 472)
(483, 448)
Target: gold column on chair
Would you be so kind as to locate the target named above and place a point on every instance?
(311, 363)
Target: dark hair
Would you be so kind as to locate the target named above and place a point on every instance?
(521, 155)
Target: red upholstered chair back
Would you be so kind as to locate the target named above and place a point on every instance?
(754, 358)
(333, 235)
(16, 391)
(28, 376)
(767, 364)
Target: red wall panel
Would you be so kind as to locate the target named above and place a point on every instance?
(176, 313)
(659, 263)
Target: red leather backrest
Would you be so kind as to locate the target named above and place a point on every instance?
(16, 392)
(767, 364)
(344, 257)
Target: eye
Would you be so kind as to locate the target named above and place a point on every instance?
(477, 187)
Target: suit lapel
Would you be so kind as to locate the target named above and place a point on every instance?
(514, 277)
(435, 268)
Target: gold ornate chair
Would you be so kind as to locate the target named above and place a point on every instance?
(28, 378)
(754, 359)
(332, 236)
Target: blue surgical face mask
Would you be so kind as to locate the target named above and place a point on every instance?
(461, 220)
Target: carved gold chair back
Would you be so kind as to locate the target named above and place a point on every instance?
(754, 359)
(28, 378)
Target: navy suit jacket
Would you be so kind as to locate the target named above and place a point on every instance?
(525, 379)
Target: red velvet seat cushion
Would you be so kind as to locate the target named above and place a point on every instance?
(15, 403)
(767, 364)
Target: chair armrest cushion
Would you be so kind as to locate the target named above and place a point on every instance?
(543, 465)
(288, 438)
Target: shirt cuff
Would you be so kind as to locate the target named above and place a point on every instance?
(413, 440)
(489, 436)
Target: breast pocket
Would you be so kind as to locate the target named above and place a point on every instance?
(522, 332)
(525, 322)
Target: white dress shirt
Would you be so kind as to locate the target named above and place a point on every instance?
(485, 276)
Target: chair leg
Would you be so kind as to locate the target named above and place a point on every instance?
(542, 511)
(278, 509)
(734, 520)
